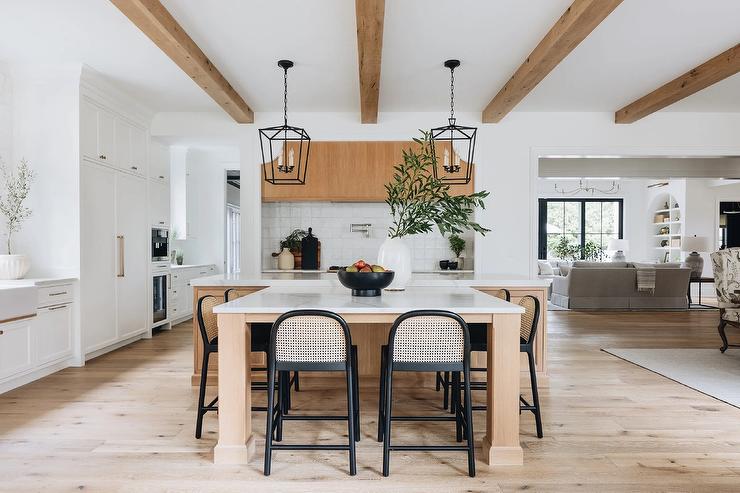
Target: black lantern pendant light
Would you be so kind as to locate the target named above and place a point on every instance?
(454, 145)
(285, 148)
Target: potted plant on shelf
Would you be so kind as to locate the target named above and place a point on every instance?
(290, 256)
(457, 245)
(418, 201)
(17, 188)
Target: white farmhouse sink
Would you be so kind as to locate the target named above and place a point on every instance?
(17, 301)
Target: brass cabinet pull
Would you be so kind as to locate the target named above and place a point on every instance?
(2, 332)
(57, 307)
(121, 256)
(58, 294)
(134, 168)
(102, 156)
(161, 177)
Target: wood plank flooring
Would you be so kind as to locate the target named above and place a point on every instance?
(125, 423)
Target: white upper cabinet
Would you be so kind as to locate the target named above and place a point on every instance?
(109, 139)
(159, 161)
(159, 203)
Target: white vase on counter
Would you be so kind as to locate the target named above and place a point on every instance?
(286, 260)
(395, 255)
(14, 266)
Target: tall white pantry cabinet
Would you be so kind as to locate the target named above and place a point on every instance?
(115, 279)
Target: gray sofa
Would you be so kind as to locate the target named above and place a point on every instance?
(613, 286)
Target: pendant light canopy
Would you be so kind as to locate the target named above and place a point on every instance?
(454, 144)
(285, 148)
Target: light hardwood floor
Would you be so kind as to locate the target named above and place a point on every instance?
(125, 423)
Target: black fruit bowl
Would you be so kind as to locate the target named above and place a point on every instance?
(365, 283)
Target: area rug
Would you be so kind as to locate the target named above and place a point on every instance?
(705, 370)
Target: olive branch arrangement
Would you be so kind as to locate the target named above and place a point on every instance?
(418, 200)
(17, 188)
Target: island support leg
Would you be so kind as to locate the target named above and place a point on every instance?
(501, 445)
(235, 440)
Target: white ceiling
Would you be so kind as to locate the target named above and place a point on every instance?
(641, 45)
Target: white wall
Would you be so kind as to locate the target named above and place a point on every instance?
(45, 123)
(633, 192)
(6, 115)
(206, 170)
(506, 154)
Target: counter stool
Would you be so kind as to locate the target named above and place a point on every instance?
(431, 341)
(478, 342)
(527, 333)
(260, 342)
(310, 340)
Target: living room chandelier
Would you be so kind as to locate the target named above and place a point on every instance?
(589, 189)
(285, 148)
(455, 143)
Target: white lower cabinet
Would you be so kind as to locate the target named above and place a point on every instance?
(37, 346)
(180, 301)
(115, 257)
(15, 347)
(52, 334)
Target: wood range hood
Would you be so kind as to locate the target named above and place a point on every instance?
(348, 171)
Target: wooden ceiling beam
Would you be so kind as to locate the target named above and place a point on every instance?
(574, 25)
(724, 65)
(370, 15)
(158, 24)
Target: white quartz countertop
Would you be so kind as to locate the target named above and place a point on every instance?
(188, 266)
(280, 299)
(325, 279)
(38, 282)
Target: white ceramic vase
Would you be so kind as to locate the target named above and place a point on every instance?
(14, 266)
(395, 255)
(286, 260)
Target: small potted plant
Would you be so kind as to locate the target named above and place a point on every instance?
(291, 244)
(457, 245)
(17, 187)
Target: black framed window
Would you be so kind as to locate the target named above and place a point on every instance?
(585, 225)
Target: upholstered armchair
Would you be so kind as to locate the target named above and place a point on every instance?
(726, 266)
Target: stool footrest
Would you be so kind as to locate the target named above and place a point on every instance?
(279, 446)
(293, 417)
(422, 418)
(422, 448)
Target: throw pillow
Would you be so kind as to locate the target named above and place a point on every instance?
(545, 269)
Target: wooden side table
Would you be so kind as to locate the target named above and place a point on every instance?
(699, 305)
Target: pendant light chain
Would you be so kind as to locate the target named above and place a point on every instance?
(452, 94)
(285, 96)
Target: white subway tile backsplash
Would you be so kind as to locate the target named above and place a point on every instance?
(331, 224)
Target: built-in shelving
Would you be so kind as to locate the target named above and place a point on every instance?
(665, 228)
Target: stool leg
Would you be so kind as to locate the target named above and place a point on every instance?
(469, 425)
(535, 393)
(387, 421)
(351, 419)
(202, 393)
(270, 414)
(456, 405)
(446, 390)
(287, 404)
(381, 397)
(280, 406)
(296, 382)
(356, 393)
(437, 381)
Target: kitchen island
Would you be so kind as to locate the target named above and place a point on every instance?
(369, 337)
(236, 442)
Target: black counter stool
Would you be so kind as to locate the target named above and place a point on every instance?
(310, 340)
(527, 333)
(478, 342)
(431, 341)
(260, 342)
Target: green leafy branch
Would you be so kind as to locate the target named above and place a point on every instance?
(419, 201)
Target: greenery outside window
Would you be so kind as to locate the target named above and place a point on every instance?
(573, 229)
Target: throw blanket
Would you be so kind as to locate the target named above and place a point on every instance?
(646, 279)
